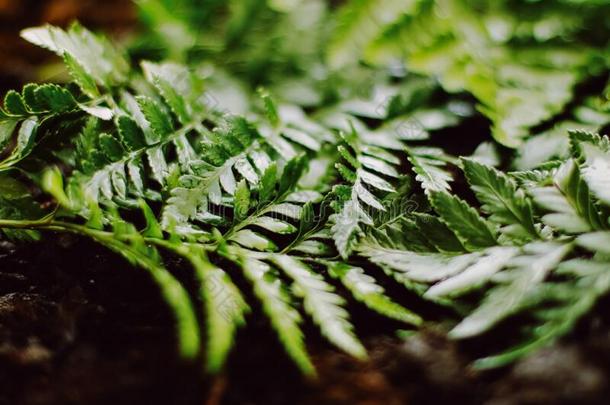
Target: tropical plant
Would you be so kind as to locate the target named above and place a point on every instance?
(269, 170)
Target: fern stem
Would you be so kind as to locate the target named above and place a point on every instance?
(252, 218)
(24, 223)
(49, 224)
(301, 237)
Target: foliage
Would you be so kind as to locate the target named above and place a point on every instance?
(542, 219)
(521, 60)
(290, 173)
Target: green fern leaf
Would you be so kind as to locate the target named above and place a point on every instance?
(179, 88)
(224, 307)
(284, 318)
(472, 230)
(428, 165)
(366, 167)
(596, 171)
(14, 104)
(507, 205)
(596, 242)
(437, 233)
(83, 79)
(526, 272)
(96, 56)
(365, 289)
(26, 136)
(324, 306)
(416, 266)
(570, 301)
(205, 185)
(569, 200)
(475, 274)
(158, 120)
(359, 22)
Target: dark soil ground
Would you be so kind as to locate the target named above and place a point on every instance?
(80, 326)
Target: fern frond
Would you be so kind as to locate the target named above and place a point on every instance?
(572, 207)
(430, 37)
(213, 173)
(524, 273)
(416, 266)
(569, 302)
(115, 163)
(272, 210)
(88, 52)
(284, 318)
(181, 90)
(289, 131)
(359, 22)
(436, 232)
(428, 165)
(33, 111)
(470, 228)
(225, 307)
(252, 197)
(365, 289)
(555, 142)
(596, 168)
(506, 204)
(366, 167)
(324, 306)
(475, 274)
